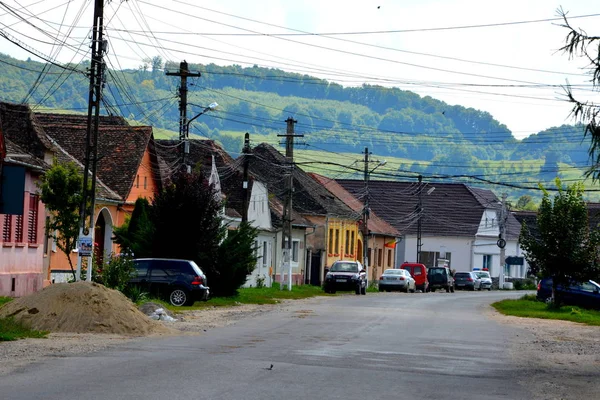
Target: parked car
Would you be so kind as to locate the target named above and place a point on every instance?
(467, 281)
(585, 294)
(419, 273)
(397, 279)
(486, 279)
(181, 282)
(440, 278)
(346, 275)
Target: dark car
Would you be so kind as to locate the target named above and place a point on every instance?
(440, 278)
(586, 294)
(467, 281)
(181, 282)
(346, 275)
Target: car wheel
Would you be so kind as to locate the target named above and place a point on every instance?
(452, 289)
(357, 290)
(490, 289)
(381, 289)
(179, 297)
(363, 291)
(447, 289)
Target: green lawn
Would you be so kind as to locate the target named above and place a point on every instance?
(528, 307)
(263, 295)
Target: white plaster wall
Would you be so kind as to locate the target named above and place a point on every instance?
(258, 207)
(459, 247)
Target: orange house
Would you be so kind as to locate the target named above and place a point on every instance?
(127, 169)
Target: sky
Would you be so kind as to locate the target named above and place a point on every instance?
(497, 56)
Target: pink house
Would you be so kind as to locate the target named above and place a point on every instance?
(22, 231)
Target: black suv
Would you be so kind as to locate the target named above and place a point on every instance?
(440, 278)
(181, 282)
(346, 275)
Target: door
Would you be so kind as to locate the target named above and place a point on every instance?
(315, 269)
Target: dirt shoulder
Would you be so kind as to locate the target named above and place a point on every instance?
(559, 359)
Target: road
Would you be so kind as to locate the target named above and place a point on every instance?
(379, 346)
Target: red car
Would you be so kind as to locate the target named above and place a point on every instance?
(419, 273)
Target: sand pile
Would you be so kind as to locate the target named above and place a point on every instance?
(81, 307)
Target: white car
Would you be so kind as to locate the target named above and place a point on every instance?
(486, 279)
(397, 279)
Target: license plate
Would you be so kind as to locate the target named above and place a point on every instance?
(340, 280)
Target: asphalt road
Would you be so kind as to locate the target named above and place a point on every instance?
(379, 346)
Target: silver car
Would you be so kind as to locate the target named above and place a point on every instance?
(486, 279)
(397, 279)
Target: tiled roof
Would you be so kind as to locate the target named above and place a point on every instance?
(309, 197)
(120, 150)
(449, 209)
(376, 224)
(18, 126)
(18, 156)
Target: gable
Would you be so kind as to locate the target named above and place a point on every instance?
(146, 182)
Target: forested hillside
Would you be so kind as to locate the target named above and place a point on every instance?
(418, 134)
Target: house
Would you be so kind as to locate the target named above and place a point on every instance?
(455, 222)
(381, 251)
(128, 168)
(22, 244)
(334, 227)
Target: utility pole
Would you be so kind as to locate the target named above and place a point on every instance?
(365, 215)
(183, 74)
(502, 241)
(99, 47)
(287, 209)
(420, 212)
(246, 153)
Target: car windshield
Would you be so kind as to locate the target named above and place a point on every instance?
(482, 274)
(344, 267)
(392, 272)
(436, 271)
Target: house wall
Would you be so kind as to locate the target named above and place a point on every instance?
(298, 267)
(145, 181)
(259, 213)
(59, 268)
(487, 246)
(265, 252)
(21, 256)
(316, 240)
(381, 257)
(341, 242)
(459, 247)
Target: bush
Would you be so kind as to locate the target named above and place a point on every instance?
(135, 294)
(117, 271)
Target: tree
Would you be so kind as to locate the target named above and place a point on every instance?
(579, 44)
(135, 236)
(188, 225)
(525, 203)
(564, 247)
(61, 192)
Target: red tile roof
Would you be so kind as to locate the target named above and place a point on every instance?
(376, 224)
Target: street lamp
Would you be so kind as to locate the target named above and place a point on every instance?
(186, 144)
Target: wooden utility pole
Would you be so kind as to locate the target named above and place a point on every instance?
(183, 74)
(365, 216)
(286, 243)
(99, 47)
(419, 216)
(245, 195)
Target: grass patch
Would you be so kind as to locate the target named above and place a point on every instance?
(13, 330)
(4, 300)
(264, 295)
(528, 307)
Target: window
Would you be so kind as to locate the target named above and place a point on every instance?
(19, 229)
(369, 259)
(145, 182)
(137, 181)
(352, 244)
(7, 229)
(330, 240)
(347, 247)
(337, 242)
(379, 257)
(487, 261)
(32, 223)
(256, 248)
(264, 256)
(389, 258)
(429, 258)
(295, 250)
